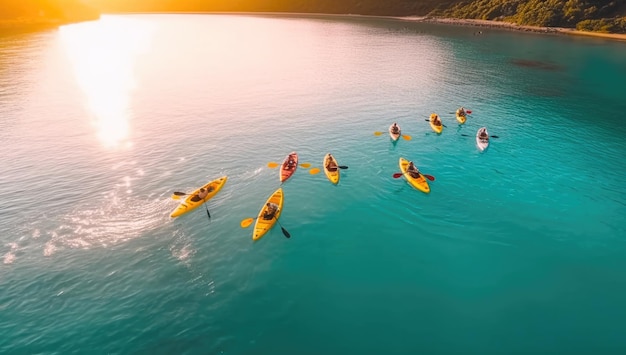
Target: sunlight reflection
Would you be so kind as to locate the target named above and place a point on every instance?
(103, 55)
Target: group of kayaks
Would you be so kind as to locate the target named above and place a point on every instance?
(266, 219)
(482, 136)
(270, 212)
(417, 179)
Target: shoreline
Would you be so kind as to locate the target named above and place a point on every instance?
(29, 22)
(514, 27)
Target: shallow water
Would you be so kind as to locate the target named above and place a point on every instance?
(516, 249)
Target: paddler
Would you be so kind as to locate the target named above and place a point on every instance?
(413, 170)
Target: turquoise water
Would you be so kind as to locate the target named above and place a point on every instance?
(517, 249)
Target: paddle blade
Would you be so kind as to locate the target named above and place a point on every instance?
(465, 135)
(429, 177)
(314, 171)
(272, 165)
(175, 197)
(305, 165)
(397, 175)
(407, 137)
(377, 133)
(287, 235)
(342, 167)
(178, 193)
(495, 137)
(468, 111)
(246, 222)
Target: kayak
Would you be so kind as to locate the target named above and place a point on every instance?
(460, 117)
(189, 204)
(285, 170)
(419, 183)
(261, 226)
(482, 143)
(395, 136)
(333, 176)
(435, 128)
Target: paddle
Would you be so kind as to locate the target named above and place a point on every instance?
(469, 112)
(317, 170)
(428, 120)
(287, 235)
(177, 195)
(273, 165)
(429, 177)
(405, 136)
(467, 135)
(248, 221)
(207, 211)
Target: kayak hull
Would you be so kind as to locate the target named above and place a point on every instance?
(419, 183)
(188, 205)
(333, 176)
(285, 172)
(461, 118)
(482, 144)
(262, 226)
(395, 136)
(437, 129)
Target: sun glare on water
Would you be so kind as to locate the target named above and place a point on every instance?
(103, 55)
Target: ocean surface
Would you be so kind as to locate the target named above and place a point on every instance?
(517, 249)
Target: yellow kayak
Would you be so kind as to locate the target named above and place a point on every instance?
(419, 183)
(435, 128)
(333, 176)
(261, 226)
(460, 118)
(192, 201)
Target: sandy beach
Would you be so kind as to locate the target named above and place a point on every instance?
(515, 27)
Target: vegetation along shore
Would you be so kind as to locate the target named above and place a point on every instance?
(603, 18)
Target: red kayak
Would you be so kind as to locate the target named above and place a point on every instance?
(289, 166)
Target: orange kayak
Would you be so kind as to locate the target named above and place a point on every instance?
(436, 128)
(287, 169)
(333, 175)
(192, 201)
(262, 226)
(419, 182)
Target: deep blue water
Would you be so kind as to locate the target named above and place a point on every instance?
(518, 249)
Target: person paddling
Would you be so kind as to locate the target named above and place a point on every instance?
(436, 120)
(270, 211)
(291, 163)
(331, 165)
(395, 129)
(202, 194)
(413, 170)
(483, 136)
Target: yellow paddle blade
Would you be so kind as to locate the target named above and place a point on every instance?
(305, 165)
(175, 197)
(246, 222)
(314, 171)
(272, 165)
(377, 133)
(407, 137)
